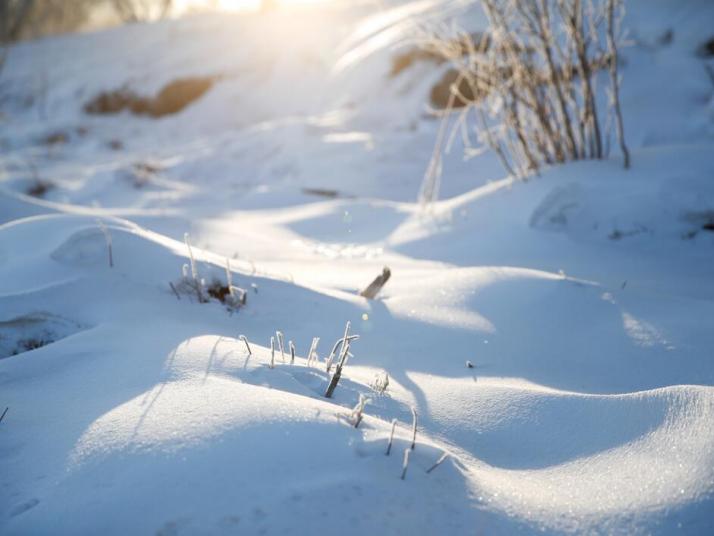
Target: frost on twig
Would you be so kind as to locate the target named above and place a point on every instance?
(272, 352)
(414, 427)
(236, 296)
(375, 286)
(292, 352)
(190, 282)
(346, 339)
(405, 463)
(530, 90)
(356, 415)
(438, 462)
(312, 353)
(391, 437)
(231, 296)
(194, 270)
(380, 383)
(338, 371)
(344, 354)
(281, 344)
(108, 240)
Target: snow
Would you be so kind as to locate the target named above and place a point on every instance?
(582, 297)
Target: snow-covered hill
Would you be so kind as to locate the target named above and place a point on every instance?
(554, 336)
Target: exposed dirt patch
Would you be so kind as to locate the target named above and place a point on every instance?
(222, 293)
(402, 62)
(435, 52)
(441, 92)
(173, 97)
(111, 102)
(218, 291)
(39, 188)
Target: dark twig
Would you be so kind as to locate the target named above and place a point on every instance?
(438, 462)
(338, 371)
(245, 341)
(173, 287)
(375, 286)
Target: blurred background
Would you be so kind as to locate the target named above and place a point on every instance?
(27, 19)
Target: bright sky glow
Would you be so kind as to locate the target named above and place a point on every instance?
(241, 5)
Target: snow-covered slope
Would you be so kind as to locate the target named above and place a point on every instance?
(554, 336)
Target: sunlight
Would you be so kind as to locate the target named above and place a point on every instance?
(243, 5)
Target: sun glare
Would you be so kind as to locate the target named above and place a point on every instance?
(244, 5)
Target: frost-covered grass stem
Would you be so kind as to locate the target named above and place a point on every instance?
(338, 372)
(108, 240)
(198, 283)
(356, 416)
(341, 341)
(229, 278)
(272, 352)
(281, 344)
(405, 463)
(438, 462)
(194, 271)
(391, 437)
(414, 427)
(312, 354)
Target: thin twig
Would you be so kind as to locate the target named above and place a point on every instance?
(108, 240)
(405, 463)
(438, 463)
(414, 427)
(272, 352)
(281, 344)
(247, 346)
(391, 437)
(178, 297)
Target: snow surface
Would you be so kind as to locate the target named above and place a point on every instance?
(583, 298)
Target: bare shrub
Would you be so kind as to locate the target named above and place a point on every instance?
(532, 92)
(30, 19)
(141, 10)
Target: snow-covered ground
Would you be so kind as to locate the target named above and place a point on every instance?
(583, 299)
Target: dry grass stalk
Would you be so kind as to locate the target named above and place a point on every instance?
(532, 91)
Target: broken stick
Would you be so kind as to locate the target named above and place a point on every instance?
(375, 286)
